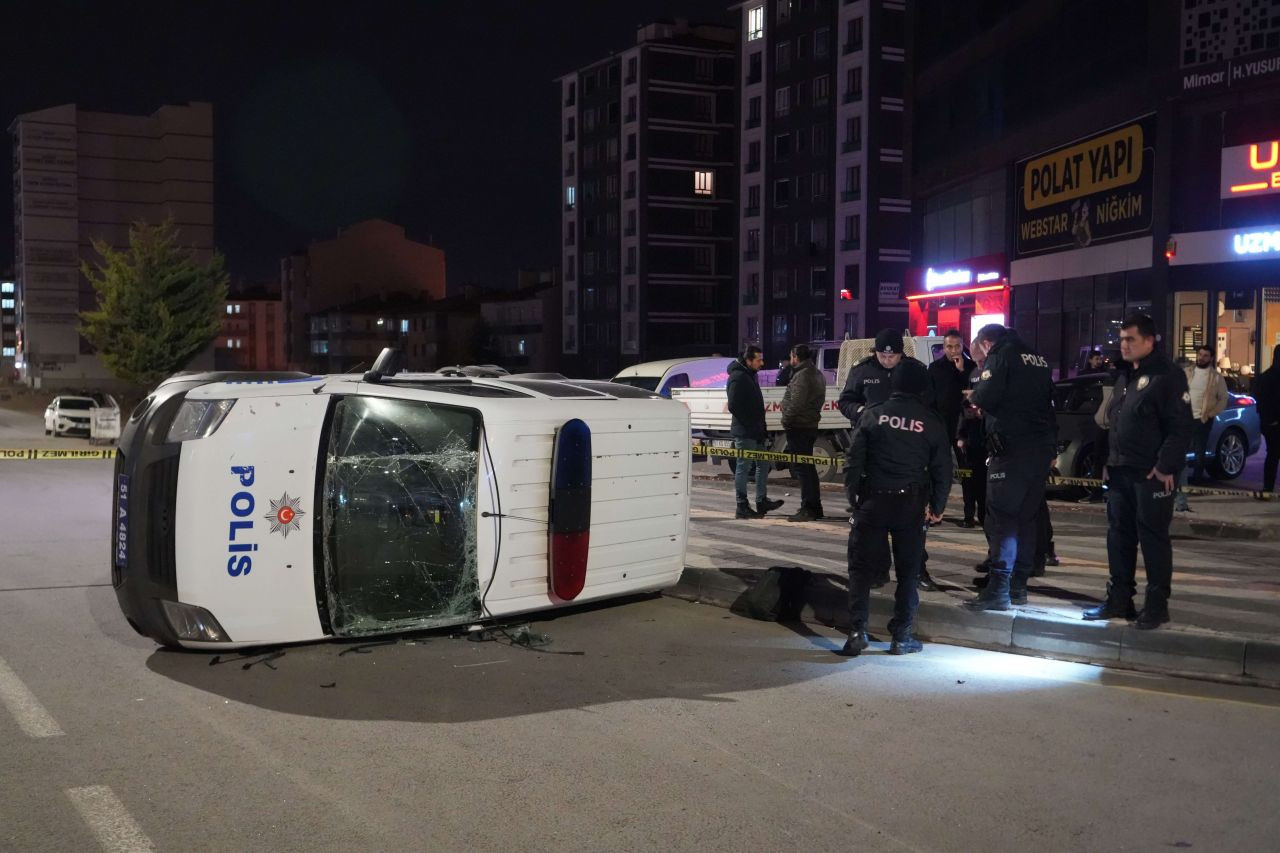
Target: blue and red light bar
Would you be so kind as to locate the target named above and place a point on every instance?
(570, 510)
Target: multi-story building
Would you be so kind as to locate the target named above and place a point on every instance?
(824, 221)
(523, 325)
(648, 197)
(430, 333)
(1100, 170)
(81, 176)
(252, 333)
(8, 329)
(368, 259)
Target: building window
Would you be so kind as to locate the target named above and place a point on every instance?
(819, 185)
(851, 325)
(703, 146)
(702, 259)
(753, 200)
(228, 307)
(852, 232)
(631, 185)
(784, 11)
(319, 347)
(8, 352)
(780, 332)
(753, 289)
(802, 46)
(570, 164)
(781, 238)
(852, 184)
(611, 150)
(818, 232)
(822, 43)
(753, 243)
(753, 156)
(853, 85)
(631, 146)
(821, 90)
(6, 287)
(853, 36)
(753, 111)
(782, 55)
(704, 182)
(851, 287)
(853, 133)
(782, 101)
(570, 272)
(631, 261)
(753, 329)
(404, 327)
(782, 146)
(802, 93)
(819, 327)
(611, 186)
(631, 70)
(570, 234)
(613, 112)
(781, 284)
(703, 68)
(570, 197)
(631, 224)
(568, 129)
(755, 23)
(570, 93)
(702, 221)
(755, 64)
(819, 281)
(782, 192)
(631, 109)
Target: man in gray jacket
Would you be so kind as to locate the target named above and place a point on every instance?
(801, 410)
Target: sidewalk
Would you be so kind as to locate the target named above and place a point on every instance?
(1227, 604)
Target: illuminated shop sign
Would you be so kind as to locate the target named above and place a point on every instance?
(1093, 190)
(1228, 245)
(986, 272)
(1249, 170)
(959, 277)
(1256, 243)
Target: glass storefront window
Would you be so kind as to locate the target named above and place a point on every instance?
(1237, 322)
(1270, 326)
(1189, 310)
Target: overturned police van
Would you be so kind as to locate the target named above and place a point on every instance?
(257, 509)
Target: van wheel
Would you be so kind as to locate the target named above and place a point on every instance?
(824, 446)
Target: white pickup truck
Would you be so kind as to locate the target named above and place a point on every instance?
(710, 421)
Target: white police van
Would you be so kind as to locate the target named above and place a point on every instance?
(255, 509)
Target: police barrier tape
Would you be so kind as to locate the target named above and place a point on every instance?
(958, 473)
(16, 453)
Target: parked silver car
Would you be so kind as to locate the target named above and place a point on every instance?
(1236, 433)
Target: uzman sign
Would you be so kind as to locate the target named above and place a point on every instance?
(1094, 190)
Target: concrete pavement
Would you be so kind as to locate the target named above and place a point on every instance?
(1226, 598)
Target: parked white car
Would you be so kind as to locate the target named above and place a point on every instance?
(255, 509)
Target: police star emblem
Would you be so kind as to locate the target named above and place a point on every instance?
(1143, 381)
(986, 374)
(284, 515)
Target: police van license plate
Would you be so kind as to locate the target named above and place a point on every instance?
(122, 521)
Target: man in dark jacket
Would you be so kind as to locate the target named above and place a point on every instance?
(746, 405)
(1266, 390)
(801, 410)
(1150, 429)
(868, 381)
(897, 477)
(1015, 393)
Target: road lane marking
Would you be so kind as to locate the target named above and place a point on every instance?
(26, 708)
(110, 821)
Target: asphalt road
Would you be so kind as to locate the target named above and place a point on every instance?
(651, 724)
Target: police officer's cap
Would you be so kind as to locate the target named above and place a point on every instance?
(910, 377)
(889, 340)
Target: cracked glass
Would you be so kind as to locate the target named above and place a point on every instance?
(399, 516)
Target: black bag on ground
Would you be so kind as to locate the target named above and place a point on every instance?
(779, 595)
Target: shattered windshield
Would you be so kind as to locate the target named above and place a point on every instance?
(399, 515)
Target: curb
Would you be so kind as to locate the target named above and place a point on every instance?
(1178, 651)
(1182, 525)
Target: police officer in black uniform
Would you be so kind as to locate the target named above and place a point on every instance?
(897, 476)
(868, 384)
(1151, 427)
(1015, 392)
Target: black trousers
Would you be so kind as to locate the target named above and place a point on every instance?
(879, 519)
(800, 441)
(1015, 492)
(974, 487)
(1272, 460)
(1044, 534)
(1138, 513)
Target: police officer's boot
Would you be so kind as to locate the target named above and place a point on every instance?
(855, 644)
(1017, 588)
(768, 505)
(905, 644)
(1117, 606)
(995, 595)
(745, 511)
(926, 581)
(1155, 612)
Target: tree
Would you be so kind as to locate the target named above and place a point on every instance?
(158, 306)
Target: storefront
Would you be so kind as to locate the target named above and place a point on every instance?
(964, 295)
(1226, 291)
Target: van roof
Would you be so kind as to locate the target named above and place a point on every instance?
(660, 368)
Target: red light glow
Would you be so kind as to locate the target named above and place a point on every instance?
(949, 293)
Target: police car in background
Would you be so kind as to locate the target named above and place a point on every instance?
(255, 509)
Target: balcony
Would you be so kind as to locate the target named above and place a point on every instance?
(629, 192)
(753, 210)
(853, 96)
(751, 254)
(754, 78)
(851, 145)
(850, 195)
(852, 47)
(753, 166)
(629, 231)
(569, 136)
(751, 297)
(753, 121)
(568, 171)
(850, 245)
(629, 117)
(629, 269)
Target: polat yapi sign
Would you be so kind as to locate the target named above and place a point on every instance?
(1095, 190)
(1249, 170)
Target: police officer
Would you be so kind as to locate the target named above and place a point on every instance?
(868, 383)
(1151, 427)
(1015, 392)
(897, 476)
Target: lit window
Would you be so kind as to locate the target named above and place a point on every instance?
(9, 352)
(404, 326)
(6, 287)
(570, 196)
(704, 182)
(237, 309)
(6, 303)
(755, 23)
(228, 309)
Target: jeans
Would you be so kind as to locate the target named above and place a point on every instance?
(800, 442)
(1272, 461)
(876, 519)
(742, 471)
(1138, 514)
(1015, 493)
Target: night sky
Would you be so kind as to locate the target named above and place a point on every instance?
(442, 117)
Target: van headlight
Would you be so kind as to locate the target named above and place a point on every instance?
(197, 419)
(194, 623)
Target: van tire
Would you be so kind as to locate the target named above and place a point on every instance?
(825, 446)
